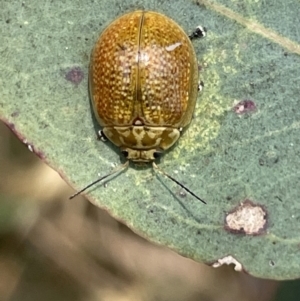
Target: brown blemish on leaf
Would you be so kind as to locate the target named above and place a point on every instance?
(245, 106)
(75, 75)
(248, 218)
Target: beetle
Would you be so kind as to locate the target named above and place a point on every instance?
(143, 82)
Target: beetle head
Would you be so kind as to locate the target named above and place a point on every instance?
(141, 155)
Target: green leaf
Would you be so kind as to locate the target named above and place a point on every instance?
(244, 160)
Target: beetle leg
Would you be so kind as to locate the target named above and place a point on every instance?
(199, 32)
(200, 85)
(101, 136)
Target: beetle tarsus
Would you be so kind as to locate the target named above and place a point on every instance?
(101, 136)
(199, 32)
(200, 85)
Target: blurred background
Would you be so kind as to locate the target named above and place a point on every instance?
(53, 248)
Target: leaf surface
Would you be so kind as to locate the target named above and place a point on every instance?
(240, 154)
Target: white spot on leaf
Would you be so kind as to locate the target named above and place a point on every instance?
(229, 260)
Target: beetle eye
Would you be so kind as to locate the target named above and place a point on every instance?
(124, 153)
(157, 155)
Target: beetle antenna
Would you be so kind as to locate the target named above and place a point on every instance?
(177, 182)
(115, 170)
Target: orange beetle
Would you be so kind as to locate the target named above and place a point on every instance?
(143, 84)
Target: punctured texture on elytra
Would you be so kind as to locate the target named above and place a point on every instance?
(143, 81)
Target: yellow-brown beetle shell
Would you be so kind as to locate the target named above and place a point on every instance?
(143, 83)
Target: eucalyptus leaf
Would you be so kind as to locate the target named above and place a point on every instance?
(240, 154)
